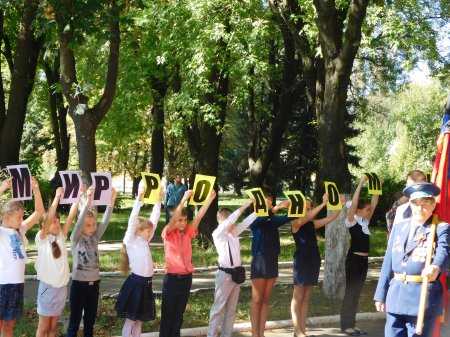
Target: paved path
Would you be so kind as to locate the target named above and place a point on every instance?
(373, 329)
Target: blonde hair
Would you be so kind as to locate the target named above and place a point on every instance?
(142, 224)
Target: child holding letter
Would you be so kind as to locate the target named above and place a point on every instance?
(84, 290)
(307, 261)
(177, 236)
(264, 265)
(358, 218)
(136, 302)
(13, 256)
(52, 267)
(226, 240)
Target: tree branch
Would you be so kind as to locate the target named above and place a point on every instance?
(103, 105)
(352, 35)
(66, 55)
(328, 23)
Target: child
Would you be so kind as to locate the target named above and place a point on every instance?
(177, 236)
(136, 302)
(84, 290)
(52, 267)
(13, 256)
(226, 240)
(306, 262)
(264, 265)
(358, 218)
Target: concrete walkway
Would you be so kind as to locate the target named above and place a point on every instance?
(373, 329)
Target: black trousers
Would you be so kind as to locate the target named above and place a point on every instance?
(175, 295)
(355, 272)
(83, 297)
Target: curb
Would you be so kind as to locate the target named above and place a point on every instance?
(161, 271)
(272, 325)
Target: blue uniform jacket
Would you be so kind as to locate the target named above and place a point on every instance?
(409, 258)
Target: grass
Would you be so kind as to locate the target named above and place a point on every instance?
(197, 311)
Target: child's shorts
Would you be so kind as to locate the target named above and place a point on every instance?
(50, 300)
(11, 301)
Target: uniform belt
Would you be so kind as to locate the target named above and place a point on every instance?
(408, 278)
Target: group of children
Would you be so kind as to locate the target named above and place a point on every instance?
(135, 302)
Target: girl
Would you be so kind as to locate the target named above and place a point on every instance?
(306, 261)
(84, 290)
(357, 221)
(52, 267)
(264, 265)
(13, 256)
(136, 302)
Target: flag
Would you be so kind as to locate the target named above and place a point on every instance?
(440, 176)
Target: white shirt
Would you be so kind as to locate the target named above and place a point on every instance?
(54, 272)
(138, 249)
(400, 213)
(223, 239)
(364, 223)
(13, 256)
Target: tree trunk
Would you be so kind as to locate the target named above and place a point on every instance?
(159, 90)
(22, 81)
(339, 46)
(86, 119)
(87, 152)
(58, 115)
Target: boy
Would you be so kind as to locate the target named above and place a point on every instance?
(177, 237)
(226, 240)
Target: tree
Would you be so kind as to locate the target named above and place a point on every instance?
(58, 112)
(85, 118)
(22, 59)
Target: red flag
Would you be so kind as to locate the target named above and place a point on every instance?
(440, 176)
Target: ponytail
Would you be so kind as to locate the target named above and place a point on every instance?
(124, 260)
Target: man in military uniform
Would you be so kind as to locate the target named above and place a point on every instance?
(399, 286)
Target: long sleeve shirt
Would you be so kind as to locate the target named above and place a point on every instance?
(138, 249)
(227, 242)
(85, 248)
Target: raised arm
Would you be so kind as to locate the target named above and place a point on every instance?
(229, 222)
(299, 222)
(355, 199)
(51, 212)
(373, 204)
(156, 213)
(132, 223)
(281, 205)
(71, 217)
(5, 185)
(107, 216)
(201, 213)
(76, 233)
(39, 208)
(333, 216)
(244, 224)
(177, 213)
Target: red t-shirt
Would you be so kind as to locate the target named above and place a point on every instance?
(178, 250)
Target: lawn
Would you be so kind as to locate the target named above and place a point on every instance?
(197, 312)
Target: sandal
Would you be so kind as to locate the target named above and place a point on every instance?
(352, 332)
(361, 332)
